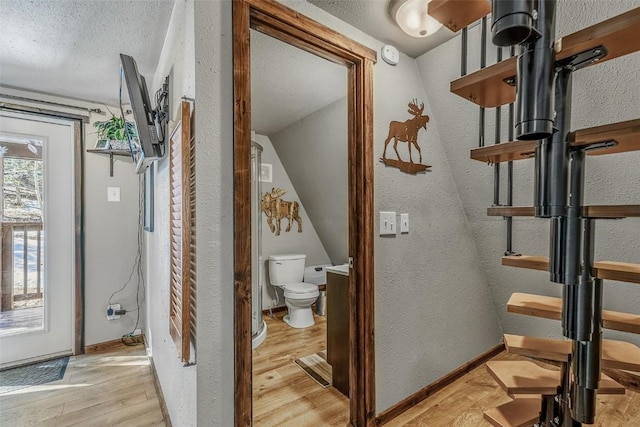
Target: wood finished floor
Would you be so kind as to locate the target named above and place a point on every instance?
(111, 388)
(462, 403)
(285, 396)
(115, 388)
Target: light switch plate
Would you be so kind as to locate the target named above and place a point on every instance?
(113, 194)
(404, 223)
(387, 223)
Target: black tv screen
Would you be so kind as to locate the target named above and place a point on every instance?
(148, 147)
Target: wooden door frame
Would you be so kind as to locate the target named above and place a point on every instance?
(283, 23)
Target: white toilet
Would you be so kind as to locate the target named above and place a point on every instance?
(286, 272)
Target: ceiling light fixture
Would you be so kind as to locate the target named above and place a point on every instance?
(413, 18)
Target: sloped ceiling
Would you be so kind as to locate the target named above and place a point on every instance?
(288, 83)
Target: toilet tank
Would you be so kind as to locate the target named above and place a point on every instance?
(286, 268)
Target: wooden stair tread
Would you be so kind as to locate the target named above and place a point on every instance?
(615, 354)
(619, 35)
(543, 348)
(606, 270)
(551, 308)
(505, 152)
(595, 211)
(524, 377)
(621, 271)
(626, 135)
(521, 412)
(487, 86)
(455, 14)
(540, 263)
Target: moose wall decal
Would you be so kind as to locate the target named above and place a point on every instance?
(276, 209)
(407, 131)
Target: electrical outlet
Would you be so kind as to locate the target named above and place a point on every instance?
(137, 332)
(111, 311)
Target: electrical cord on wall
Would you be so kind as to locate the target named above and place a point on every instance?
(130, 339)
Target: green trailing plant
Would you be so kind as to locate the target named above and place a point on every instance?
(116, 128)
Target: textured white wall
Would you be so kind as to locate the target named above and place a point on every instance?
(177, 60)
(307, 242)
(214, 205)
(602, 94)
(314, 152)
(110, 228)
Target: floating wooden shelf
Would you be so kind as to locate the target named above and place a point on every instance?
(596, 211)
(487, 87)
(523, 377)
(606, 270)
(626, 134)
(615, 354)
(456, 14)
(551, 308)
(521, 412)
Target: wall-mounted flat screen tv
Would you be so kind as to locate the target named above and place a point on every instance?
(148, 147)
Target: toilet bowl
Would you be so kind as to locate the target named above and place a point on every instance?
(286, 272)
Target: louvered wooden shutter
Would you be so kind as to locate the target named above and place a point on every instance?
(182, 315)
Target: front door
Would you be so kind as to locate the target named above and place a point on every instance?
(37, 216)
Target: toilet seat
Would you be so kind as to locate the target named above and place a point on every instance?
(300, 290)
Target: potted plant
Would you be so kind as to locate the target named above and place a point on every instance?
(115, 133)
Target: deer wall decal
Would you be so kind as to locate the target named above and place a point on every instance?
(276, 209)
(407, 131)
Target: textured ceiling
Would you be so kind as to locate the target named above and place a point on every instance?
(71, 48)
(372, 17)
(288, 83)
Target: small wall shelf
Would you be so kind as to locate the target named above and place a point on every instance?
(110, 153)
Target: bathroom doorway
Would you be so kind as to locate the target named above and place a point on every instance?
(300, 131)
(287, 25)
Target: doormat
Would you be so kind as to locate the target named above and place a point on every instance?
(316, 367)
(33, 374)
